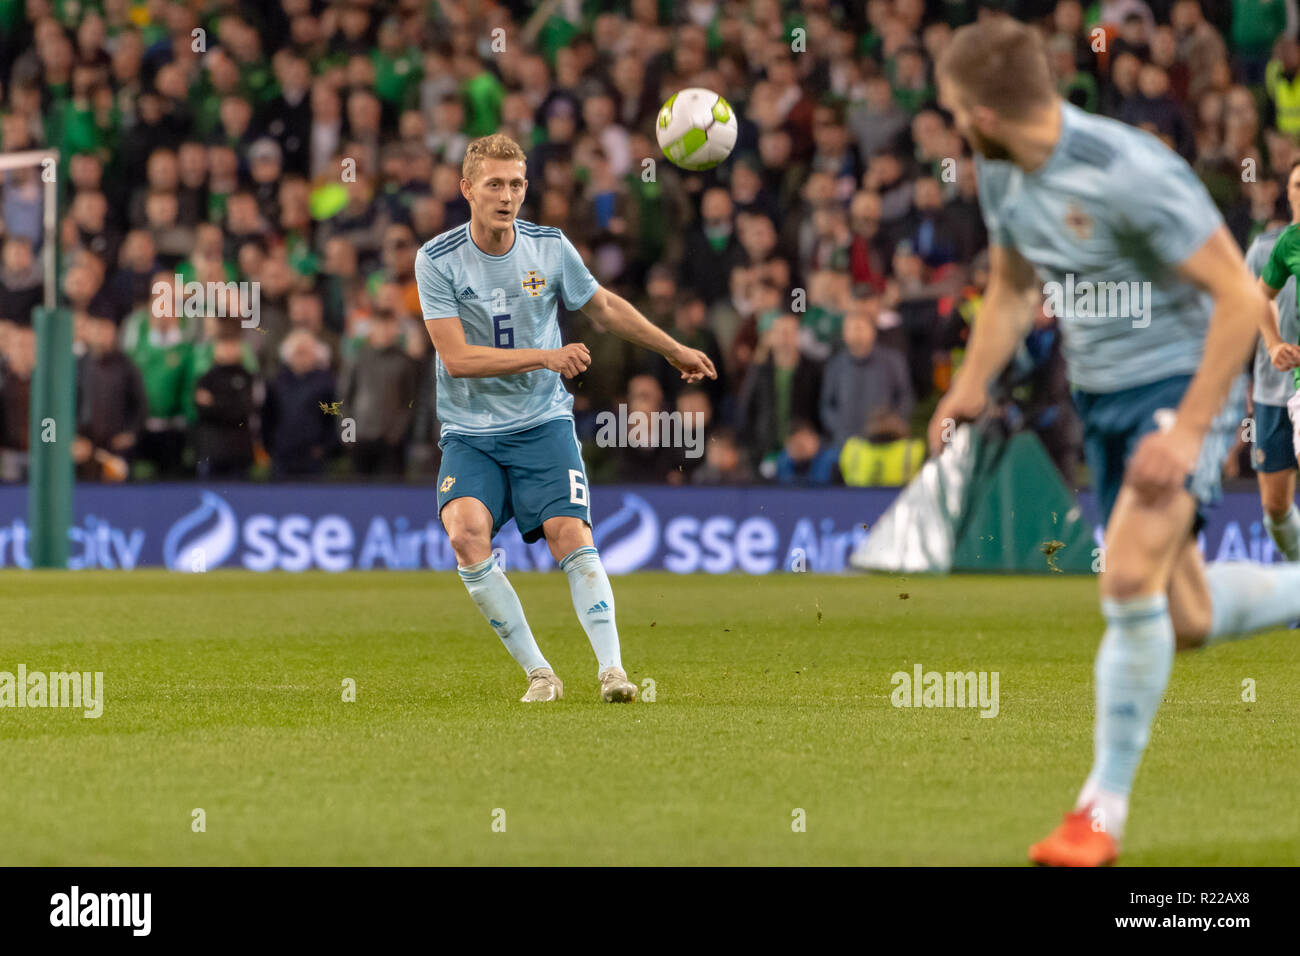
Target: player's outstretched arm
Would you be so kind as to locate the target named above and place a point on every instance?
(1001, 324)
(1284, 355)
(463, 360)
(622, 318)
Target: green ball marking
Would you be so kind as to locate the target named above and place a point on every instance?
(666, 112)
(678, 150)
(721, 110)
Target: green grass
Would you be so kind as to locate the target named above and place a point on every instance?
(224, 692)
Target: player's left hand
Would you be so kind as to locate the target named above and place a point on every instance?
(1161, 463)
(693, 364)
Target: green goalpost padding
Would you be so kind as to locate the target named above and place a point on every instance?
(53, 424)
(53, 428)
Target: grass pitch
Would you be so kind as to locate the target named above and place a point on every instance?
(223, 692)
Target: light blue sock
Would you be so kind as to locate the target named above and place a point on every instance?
(500, 606)
(594, 601)
(1133, 665)
(1285, 533)
(1247, 597)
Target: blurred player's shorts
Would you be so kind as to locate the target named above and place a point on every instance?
(1274, 437)
(1114, 422)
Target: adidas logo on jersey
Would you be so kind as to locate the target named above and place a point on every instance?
(468, 293)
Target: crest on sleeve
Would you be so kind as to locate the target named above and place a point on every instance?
(534, 284)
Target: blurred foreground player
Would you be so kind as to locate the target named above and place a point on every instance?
(489, 291)
(1155, 361)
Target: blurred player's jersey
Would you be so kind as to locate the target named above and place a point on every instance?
(1112, 211)
(1274, 387)
(507, 301)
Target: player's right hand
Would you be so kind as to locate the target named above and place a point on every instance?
(1284, 356)
(959, 405)
(569, 361)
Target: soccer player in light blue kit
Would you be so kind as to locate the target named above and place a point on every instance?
(1075, 199)
(489, 291)
(1275, 396)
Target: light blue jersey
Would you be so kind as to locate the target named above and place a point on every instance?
(1105, 221)
(1273, 387)
(508, 301)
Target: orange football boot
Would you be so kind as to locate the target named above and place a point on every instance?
(1075, 843)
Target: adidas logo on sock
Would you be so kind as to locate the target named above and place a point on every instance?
(596, 608)
(495, 623)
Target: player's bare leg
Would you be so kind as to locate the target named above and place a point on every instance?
(1158, 597)
(469, 529)
(570, 541)
(1190, 602)
(1144, 544)
(1277, 497)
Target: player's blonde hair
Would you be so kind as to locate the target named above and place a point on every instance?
(999, 63)
(496, 146)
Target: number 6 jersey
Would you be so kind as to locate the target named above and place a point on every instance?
(506, 302)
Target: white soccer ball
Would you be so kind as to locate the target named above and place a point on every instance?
(696, 129)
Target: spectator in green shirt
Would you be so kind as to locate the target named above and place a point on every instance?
(157, 343)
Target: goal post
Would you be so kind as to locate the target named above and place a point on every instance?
(52, 425)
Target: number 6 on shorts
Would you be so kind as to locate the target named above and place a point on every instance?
(577, 487)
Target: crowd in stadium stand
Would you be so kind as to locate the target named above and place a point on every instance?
(831, 268)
